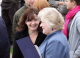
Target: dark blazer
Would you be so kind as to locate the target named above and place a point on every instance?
(16, 50)
(4, 41)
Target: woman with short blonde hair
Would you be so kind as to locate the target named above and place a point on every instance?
(55, 44)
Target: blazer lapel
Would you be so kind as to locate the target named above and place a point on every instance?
(27, 48)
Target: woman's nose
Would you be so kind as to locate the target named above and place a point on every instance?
(33, 22)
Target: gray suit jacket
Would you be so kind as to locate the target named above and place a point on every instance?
(74, 37)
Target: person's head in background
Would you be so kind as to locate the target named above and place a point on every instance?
(51, 20)
(29, 2)
(29, 19)
(40, 4)
(71, 4)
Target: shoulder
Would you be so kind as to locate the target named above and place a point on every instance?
(42, 35)
(21, 10)
(58, 41)
(20, 35)
(77, 17)
(59, 38)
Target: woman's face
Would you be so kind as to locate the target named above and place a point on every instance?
(33, 24)
(46, 29)
(70, 5)
(29, 2)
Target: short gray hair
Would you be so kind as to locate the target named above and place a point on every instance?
(52, 17)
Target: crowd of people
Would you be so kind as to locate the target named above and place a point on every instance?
(40, 28)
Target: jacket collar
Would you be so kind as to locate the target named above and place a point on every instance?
(50, 35)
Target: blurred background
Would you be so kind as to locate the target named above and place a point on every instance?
(0, 7)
